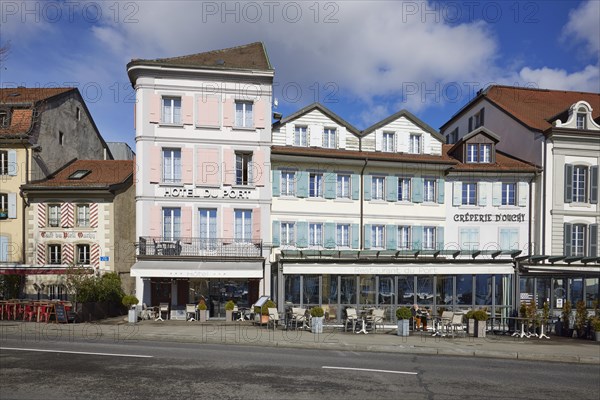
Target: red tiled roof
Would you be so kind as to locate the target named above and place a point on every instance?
(20, 122)
(29, 95)
(535, 107)
(103, 174)
(504, 163)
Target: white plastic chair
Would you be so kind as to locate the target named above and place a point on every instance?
(190, 312)
(163, 308)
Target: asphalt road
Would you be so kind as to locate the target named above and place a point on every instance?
(163, 370)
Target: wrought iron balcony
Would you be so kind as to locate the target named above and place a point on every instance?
(151, 247)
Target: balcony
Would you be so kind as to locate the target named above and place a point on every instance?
(217, 248)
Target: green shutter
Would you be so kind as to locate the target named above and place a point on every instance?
(594, 184)
(355, 232)
(368, 182)
(456, 193)
(302, 184)
(329, 235)
(417, 190)
(391, 186)
(522, 193)
(276, 183)
(568, 183)
(330, 185)
(367, 236)
(355, 187)
(391, 237)
(496, 194)
(568, 229)
(482, 193)
(276, 232)
(593, 252)
(417, 237)
(439, 237)
(301, 234)
(440, 190)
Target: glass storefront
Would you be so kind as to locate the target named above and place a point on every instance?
(556, 291)
(217, 292)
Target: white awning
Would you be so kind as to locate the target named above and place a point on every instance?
(398, 269)
(192, 269)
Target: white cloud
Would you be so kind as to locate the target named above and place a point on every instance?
(584, 26)
(587, 80)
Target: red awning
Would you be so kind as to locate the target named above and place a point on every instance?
(35, 271)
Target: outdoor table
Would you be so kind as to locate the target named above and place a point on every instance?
(521, 320)
(363, 320)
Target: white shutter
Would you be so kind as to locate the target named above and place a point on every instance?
(523, 189)
(482, 193)
(12, 163)
(401, 145)
(289, 134)
(316, 135)
(426, 143)
(378, 140)
(457, 193)
(496, 193)
(342, 137)
(12, 205)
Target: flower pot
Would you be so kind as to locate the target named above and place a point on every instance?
(132, 316)
(228, 315)
(203, 315)
(316, 325)
(480, 328)
(402, 327)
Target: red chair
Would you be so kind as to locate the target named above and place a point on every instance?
(44, 313)
(28, 312)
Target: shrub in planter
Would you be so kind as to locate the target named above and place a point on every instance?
(565, 317)
(130, 301)
(202, 308)
(581, 319)
(262, 313)
(317, 314)
(403, 314)
(595, 322)
(229, 306)
(470, 322)
(480, 317)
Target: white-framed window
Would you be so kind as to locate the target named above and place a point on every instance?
(171, 110)
(429, 238)
(243, 225)
(315, 185)
(414, 144)
(469, 238)
(3, 162)
(343, 186)
(388, 142)
(377, 188)
(83, 254)
(581, 120)
(479, 153)
(4, 119)
(56, 292)
(485, 153)
(478, 119)
(404, 189)
(509, 191)
(579, 183)
(171, 223)
(469, 193)
(244, 117)
(578, 239)
(171, 165)
(329, 138)
(288, 234)
(343, 235)
(54, 254)
(300, 136)
(509, 238)
(404, 242)
(288, 183)
(429, 190)
(83, 215)
(243, 168)
(472, 153)
(315, 232)
(4, 202)
(208, 226)
(54, 215)
(377, 236)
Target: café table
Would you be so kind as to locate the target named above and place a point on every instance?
(522, 333)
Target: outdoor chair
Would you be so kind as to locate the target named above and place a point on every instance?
(273, 317)
(163, 308)
(299, 315)
(457, 325)
(441, 323)
(351, 317)
(148, 312)
(376, 318)
(190, 312)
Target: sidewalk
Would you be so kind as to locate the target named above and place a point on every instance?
(556, 349)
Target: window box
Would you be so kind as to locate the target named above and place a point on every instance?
(3, 214)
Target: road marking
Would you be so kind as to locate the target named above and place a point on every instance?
(77, 352)
(372, 370)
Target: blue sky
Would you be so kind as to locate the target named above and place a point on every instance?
(364, 60)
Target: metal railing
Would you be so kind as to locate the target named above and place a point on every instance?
(199, 247)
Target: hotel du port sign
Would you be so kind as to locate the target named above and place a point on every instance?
(200, 193)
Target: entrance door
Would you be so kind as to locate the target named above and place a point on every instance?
(160, 292)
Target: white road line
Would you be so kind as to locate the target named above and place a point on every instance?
(372, 370)
(77, 352)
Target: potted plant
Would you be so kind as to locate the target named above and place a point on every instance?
(581, 319)
(480, 317)
(229, 306)
(532, 317)
(566, 316)
(263, 315)
(595, 322)
(470, 323)
(403, 314)
(3, 213)
(202, 310)
(130, 301)
(316, 324)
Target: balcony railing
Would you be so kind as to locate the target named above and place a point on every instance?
(149, 246)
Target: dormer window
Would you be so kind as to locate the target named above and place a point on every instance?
(4, 119)
(388, 142)
(581, 119)
(329, 138)
(300, 136)
(414, 144)
(479, 153)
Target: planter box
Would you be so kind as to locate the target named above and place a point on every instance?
(471, 327)
(132, 316)
(203, 315)
(228, 315)
(480, 328)
(316, 325)
(597, 336)
(402, 327)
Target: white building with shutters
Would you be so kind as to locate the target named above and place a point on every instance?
(203, 136)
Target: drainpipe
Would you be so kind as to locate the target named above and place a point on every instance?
(25, 204)
(543, 232)
(362, 202)
(529, 233)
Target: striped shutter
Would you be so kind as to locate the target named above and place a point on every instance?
(256, 223)
(329, 235)
(440, 190)
(186, 224)
(355, 232)
(302, 234)
(95, 255)
(187, 106)
(94, 215)
(41, 253)
(391, 185)
(276, 233)
(276, 184)
(568, 229)
(391, 237)
(568, 183)
(187, 165)
(66, 215)
(355, 186)
(68, 253)
(260, 112)
(41, 215)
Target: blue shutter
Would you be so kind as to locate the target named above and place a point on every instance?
(456, 193)
(368, 182)
(302, 188)
(593, 252)
(391, 185)
(329, 235)
(440, 190)
(330, 185)
(417, 190)
(439, 237)
(391, 237)
(497, 194)
(276, 183)
(417, 237)
(355, 232)
(367, 235)
(12, 163)
(568, 183)
(276, 232)
(301, 234)
(12, 205)
(594, 184)
(355, 187)
(568, 229)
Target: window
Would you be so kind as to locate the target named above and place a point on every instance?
(429, 190)
(377, 236)
(579, 183)
(243, 114)
(343, 186)
(288, 236)
(414, 144)
(79, 174)
(472, 153)
(315, 185)
(404, 237)
(56, 292)
(508, 194)
(83, 215)
(404, 189)
(3, 162)
(388, 141)
(485, 151)
(243, 170)
(288, 183)
(578, 240)
(78, 113)
(469, 238)
(469, 192)
(581, 120)
(171, 165)
(454, 136)
(171, 223)
(509, 238)
(377, 187)
(343, 235)
(315, 232)
(429, 238)
(243, 225)
(61, 138)
(54, 215)
(171, 110)
(478, 119)
(481, 153)
(4, 119)
(208, 228)
(54, 254)
(83, 254)
(329, 138)
(300, 136)
(3, 201)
